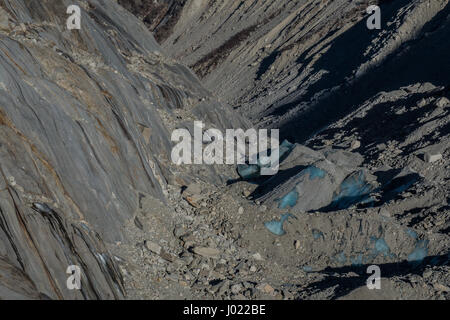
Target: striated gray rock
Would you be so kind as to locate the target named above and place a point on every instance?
(85, 120)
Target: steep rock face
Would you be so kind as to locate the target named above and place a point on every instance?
(159, 16)
(85, 119)
(296, 64)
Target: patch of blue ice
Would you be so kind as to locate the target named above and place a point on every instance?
(307, 269)
(314, 172)
(412, 233)
(251, 171)
(380, 247)
(420, 252)
(246, 171)
(289, 200)
(341, 258)
(285, 148)
(354, 189)
(276, 227)
(317, 234)
(283, 151)
(357, 260)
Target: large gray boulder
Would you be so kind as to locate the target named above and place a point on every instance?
(317, 180)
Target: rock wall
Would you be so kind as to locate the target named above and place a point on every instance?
(85, 120)
(296, 64)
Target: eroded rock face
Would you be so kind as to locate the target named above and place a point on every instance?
(85, 120)
(159, 16)
(298, 64)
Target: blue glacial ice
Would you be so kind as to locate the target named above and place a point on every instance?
(314, 172)
(252, 171)
(276, 227)
(246, 171)
(380, 247)
(285, 148)
(307, 269)
(412, 233)
(283, 151)
(317, 234)
(357, 260)
(341, 258)
(354, 189)
(289, 200)
(420, 252)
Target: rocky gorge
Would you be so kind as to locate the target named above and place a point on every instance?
(86, 118)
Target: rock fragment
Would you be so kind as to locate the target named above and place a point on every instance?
(206, 252)
(384, 212)
(441, 287)
(138, 223)
(166, 256)
(442, 102)
(193, 189)
(246, 193)
(266, 288)
(355, 145)
(257, 256)
(4, 20)
(193, 195)
(422, 103)
(236, 288)
(432, 157)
